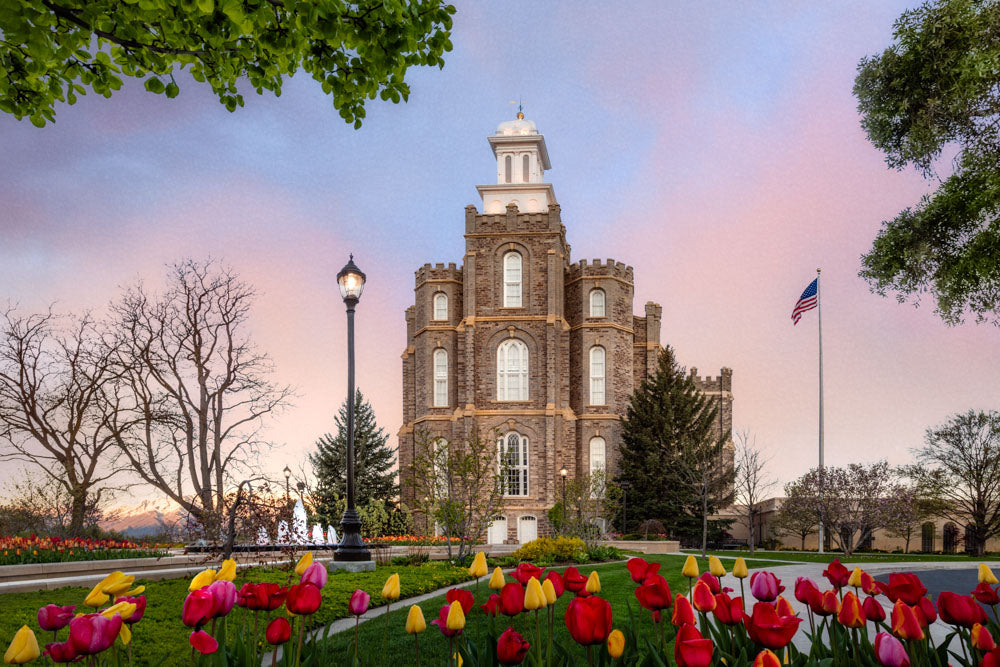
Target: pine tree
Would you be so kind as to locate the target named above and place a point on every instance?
(374, 477)
(669, 446)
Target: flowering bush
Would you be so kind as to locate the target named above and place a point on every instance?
(34, 549)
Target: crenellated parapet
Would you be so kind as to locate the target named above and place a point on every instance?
(438, 272)
(514, 221)
(722, 382)
(598, 269)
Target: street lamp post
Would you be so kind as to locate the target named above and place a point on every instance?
(288, 473)
(352, 547)
(562, 473)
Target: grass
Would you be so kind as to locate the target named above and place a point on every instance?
(863, 557)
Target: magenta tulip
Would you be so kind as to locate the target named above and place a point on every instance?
(198, 607)
(359, 602)
(889, 651)
(765, 586)
(52, 617)
(92, 633)
(62, 652)
(140, 607)
(315, 574)
(223, 597)
(203, 642)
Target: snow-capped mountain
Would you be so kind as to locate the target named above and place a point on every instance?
(148, 517)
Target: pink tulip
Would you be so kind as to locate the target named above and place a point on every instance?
(52, 617)
(198, 607)
(203, 642)
(890, 652)
(92, 633)
(765, 586)
(223, 597)
(315, 574)
(359, 602)
(61, 652)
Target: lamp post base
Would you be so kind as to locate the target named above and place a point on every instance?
(352, 565)
(352, 548)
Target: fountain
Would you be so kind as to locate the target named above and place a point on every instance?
(300, 529)
(331, 535)
(282, 537)
(262, 537)
(317, 535)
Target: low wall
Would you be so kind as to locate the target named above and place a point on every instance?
(647, 547)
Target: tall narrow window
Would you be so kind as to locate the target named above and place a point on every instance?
(525, 167)
(597, 375)
(597, 302)
(440, 306)
(506, 169)
(512, 371)
(512, 280)
(597, 466)
(514, 456)
(440, 378)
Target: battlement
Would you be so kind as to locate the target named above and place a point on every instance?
(596, 269)
(724, 381)
(654, 309)
(438, 272)
(513, 221)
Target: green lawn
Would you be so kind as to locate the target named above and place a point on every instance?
(863, 557)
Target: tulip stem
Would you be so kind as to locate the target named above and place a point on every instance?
(590, 656)
(743, 599)
(416, 638)
(298, 651)
(274, 656)
(451, 650)
(385, 636)
(357, 620)
(538, 633)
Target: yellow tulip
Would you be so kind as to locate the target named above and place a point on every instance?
(616, 644)
(593, 583)
(202, 579)
(690, 568)
(550, 592)
(415, 621)
(126, 609)
(136, 591)
(227, 571)
(855, 578)
(534, 598)
(391, 589)
(740, 569)
(478, 567)
(125, 634)
(117, 583)
(23, 648)
(497, 581)
(986, 575)
(456, 617)
(715, 567)
(96, 597)
(304, 563)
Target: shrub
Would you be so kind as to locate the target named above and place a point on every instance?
(560, 549)
(601, 553)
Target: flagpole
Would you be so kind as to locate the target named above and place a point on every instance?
(819, 311)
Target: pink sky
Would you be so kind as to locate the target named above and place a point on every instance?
(716, 149)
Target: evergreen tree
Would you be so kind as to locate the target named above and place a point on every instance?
(669, 448)
(374, 478)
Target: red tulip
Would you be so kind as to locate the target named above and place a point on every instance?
(203, 642)
(992, 659)
(197, 609)
(985, 594)
(261, 597)
(639, 569)
(52, 617)
(826, 604)
(511, 599)
(442, 622)
(589, 620)
(278, 631)
(305, 599)
(140, 607)
(492, 606)
(981, 638)
(806, 590)
(868, 584)
(92, 633)
(711, 581)
(654, 593)
(873, 610)
(575, 582)
(511, 648)
(702, 597)
(837, 574)
(765, 586)
(729, 611)
(904, 586)
(464, 596)
(766, 658)
(768, 629)
(904, 622)
(889, 651)
(557, 582)
(960, 610)
(223, 597)
(691, 649)
(783, 607)
(851, 614)
(682, 612)
(62, 652)
(525, 571)
(316, 574)
(925, 612)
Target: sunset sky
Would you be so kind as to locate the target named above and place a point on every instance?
(714, 147)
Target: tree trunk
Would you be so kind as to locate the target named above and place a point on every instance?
(78, 513)
(750, 524)
(704, 524)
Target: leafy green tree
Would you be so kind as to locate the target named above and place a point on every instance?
(935, 89)
(54, 50)
(374, 478)
(676, 469)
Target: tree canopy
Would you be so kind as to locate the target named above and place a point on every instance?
(54, 50)
(935, 90)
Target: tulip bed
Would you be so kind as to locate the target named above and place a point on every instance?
(34, 549)
(857, 557)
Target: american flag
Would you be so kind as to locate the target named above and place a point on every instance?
(807, 301)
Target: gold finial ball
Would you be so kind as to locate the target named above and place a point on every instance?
(520, 115)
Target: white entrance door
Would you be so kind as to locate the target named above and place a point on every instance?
(497, 532)
(527, 529)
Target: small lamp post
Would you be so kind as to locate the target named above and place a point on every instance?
(351, 548)
(562, 473)
(288, 473)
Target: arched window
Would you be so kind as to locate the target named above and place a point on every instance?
(927, 537)
(525, 166)
(597, 375)
(597, 302)
(512, 371)
(514, 456)
(597, 466)
(512, 280)
(506, 169)
(440, 378)
(440, 306)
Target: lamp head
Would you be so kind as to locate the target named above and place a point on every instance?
(288, 472)
(563, 472)
(351, 280)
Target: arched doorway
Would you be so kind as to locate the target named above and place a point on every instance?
(950, 535)
(527, 529)
(927, 537)
(497, 532)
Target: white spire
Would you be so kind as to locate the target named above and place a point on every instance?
(522, 160)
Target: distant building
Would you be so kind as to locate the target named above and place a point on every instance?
(522, 341)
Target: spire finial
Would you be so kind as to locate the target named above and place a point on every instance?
(520, 108)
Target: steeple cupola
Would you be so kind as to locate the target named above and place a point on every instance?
(522, 160)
